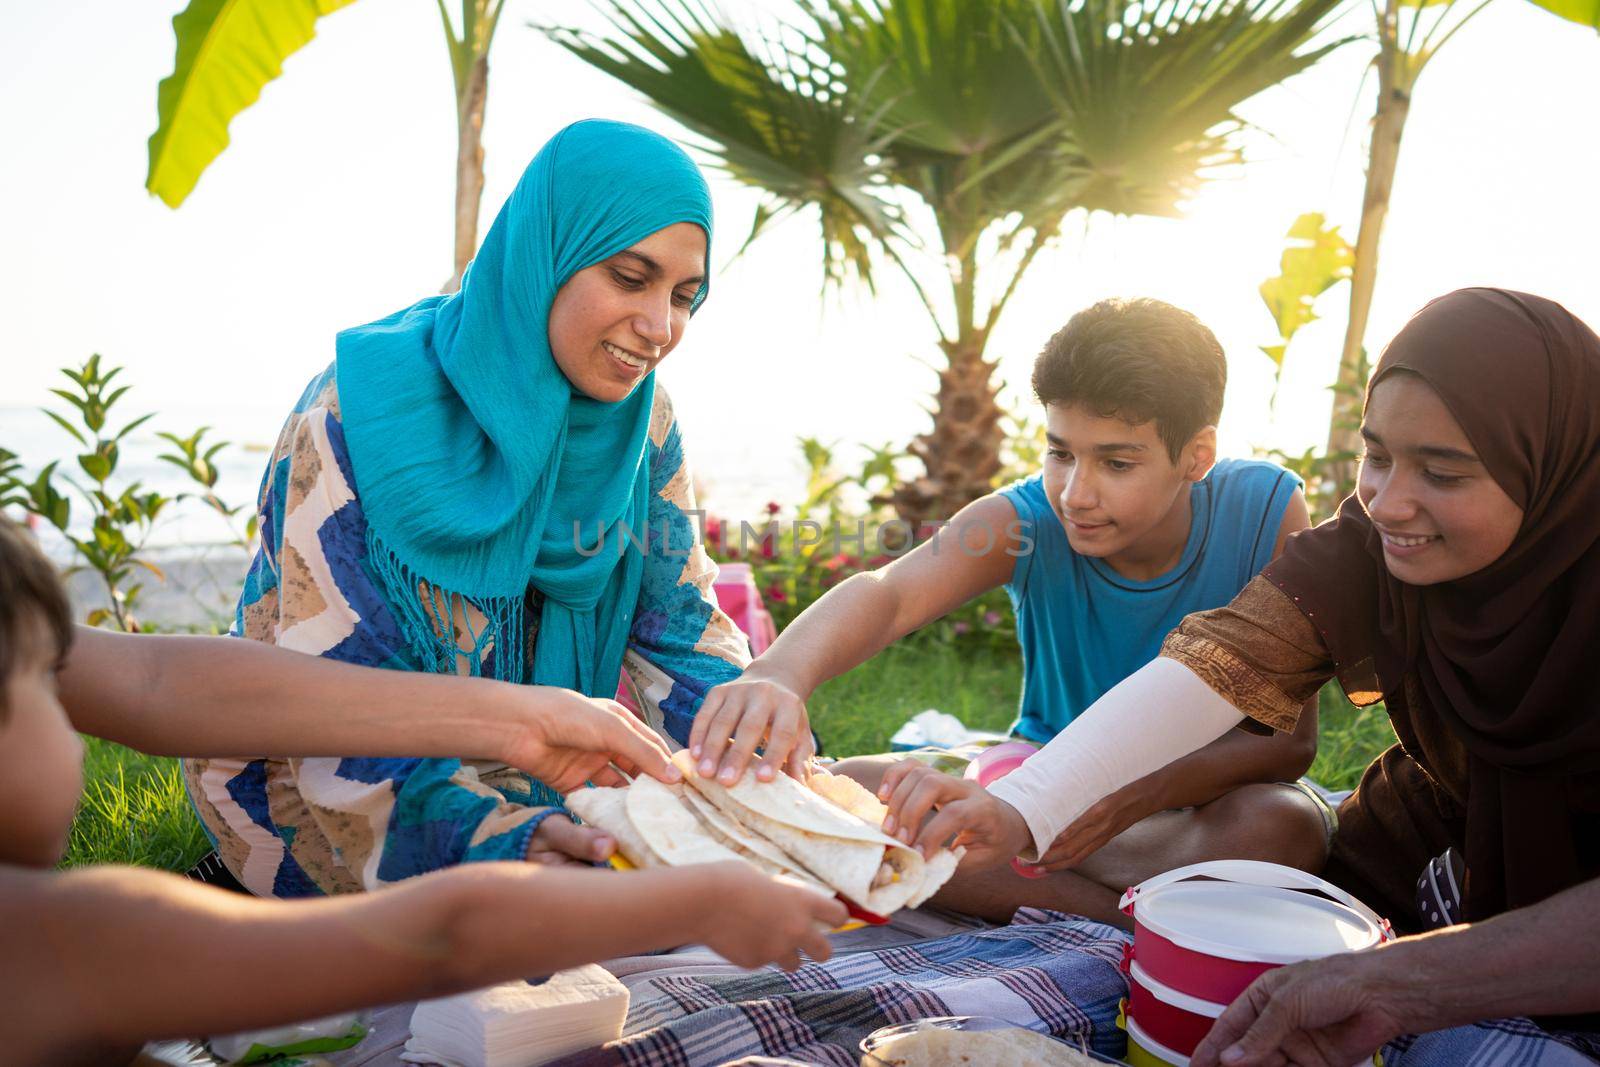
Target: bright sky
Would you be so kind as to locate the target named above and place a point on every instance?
(333, 206)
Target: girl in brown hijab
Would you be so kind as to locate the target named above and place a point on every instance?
(1487, 674)
(1460, 585)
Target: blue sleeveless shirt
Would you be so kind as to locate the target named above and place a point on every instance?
(1083, 627)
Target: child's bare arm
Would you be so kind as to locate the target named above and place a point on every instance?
(111, 956)
(849, 625)
(213, 696)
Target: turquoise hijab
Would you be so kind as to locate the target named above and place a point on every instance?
(482, 472)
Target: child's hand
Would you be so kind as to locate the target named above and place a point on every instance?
(560, 842)
(754, 711)
(991, 830)
(564, 739)
(754, 918)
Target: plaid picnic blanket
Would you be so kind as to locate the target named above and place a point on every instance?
(1045, 971)
(1494, 1043)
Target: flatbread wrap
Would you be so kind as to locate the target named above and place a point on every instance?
(831, 830)
(825, 835)
(651, 825)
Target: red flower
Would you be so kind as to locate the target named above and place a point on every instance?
(775, 594)
(773, 507)
(769, 546)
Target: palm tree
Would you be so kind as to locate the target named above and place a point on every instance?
(984, 123)
(1409, 34)
(229, 49)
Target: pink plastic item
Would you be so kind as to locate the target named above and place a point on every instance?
(998, 761)
(739, 599)
(993, 764)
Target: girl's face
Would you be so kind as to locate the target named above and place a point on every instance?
(1439, 513)
(613, 322)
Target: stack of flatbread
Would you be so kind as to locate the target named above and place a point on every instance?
(824, 833)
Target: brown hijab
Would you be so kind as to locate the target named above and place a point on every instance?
(1504, 658)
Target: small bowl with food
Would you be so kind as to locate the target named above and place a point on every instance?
(971, 1041)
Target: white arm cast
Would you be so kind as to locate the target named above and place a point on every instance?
(1159, 713)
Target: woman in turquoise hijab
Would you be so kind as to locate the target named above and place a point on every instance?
(490, 482)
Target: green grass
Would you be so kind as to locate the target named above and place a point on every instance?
(1348, 738)
(857, 712)
(135, 809)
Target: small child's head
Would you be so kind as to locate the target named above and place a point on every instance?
(41, 757)
(1132, 391)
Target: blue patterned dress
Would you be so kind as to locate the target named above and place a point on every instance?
(305, 827)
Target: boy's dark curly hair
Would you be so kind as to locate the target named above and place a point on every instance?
(1137, 360)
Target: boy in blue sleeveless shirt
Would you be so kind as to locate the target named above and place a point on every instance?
(1132, 524)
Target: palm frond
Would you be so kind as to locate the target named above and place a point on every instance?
(767, 108)
(1147, 89)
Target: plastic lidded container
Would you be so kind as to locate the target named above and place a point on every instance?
(1146, 1051)
(1210, 939)
(876, 1047)
(1173, 1019)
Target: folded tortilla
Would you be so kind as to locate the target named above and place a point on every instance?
(752, 847)
(835, 842)
(651, 825)
(825, 836)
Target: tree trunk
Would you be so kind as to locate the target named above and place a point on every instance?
(472, 97)
(961, 453)
(1383, 157)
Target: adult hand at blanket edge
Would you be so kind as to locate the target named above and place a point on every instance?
(565, 739)
(1332, 1012)
(764, 918)
(749, 712)
(991, 830)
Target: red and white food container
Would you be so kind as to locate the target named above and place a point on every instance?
(1171, 1019)
(1210, 929)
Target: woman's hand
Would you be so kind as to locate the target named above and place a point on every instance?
(1092, 830)
(1331, 1012)
(761, 918)
(991, 830)
(565, 739)
(749, 712)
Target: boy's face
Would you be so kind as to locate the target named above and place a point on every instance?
(1114, 487)
(41, 759)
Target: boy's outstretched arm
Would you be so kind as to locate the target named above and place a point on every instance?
(853, 622)
(221, 696)
(115, 956)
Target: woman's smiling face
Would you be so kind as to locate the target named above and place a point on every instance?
(613, 322)
(1439, 513)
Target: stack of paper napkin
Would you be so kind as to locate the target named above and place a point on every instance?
(519, 1024)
